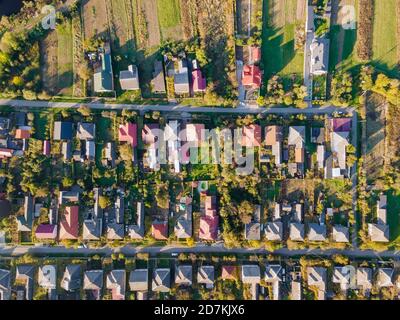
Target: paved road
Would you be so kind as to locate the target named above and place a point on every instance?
(247, 109)
(199, 249)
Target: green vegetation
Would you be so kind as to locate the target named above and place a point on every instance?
(169, 13)
(65, 59)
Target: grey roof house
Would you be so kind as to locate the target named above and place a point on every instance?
(183, 275)
(103, 80)
(161, 280)
(62, 130)
(205, 275)
(5, 284)
(86, 131)
(71, 280)
(25, 222)
(129, 79)
(25, 274)
(316, 277)
(139, 280)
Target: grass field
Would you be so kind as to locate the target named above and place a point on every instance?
(343, 49)
(65, 59)
(394, 215)
(385, 42)
(169, 17)
(279, 55)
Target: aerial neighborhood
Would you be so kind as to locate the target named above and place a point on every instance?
(200, 150)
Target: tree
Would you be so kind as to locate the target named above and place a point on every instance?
(18, 81)
(246, 210)
(104, 202)
(84, 111)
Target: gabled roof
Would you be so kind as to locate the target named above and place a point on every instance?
(159, 230)
(161, 280)
(273, 135)
(274, 231)
(46, 231)
(273, 273)
(62, 130)
(183, 275)
(158, 80)
(115, 231)
(205, 275)
(296, 290)
(364, 278)
(252, 231)
(208, 228)
(93, 280)
(25, 222)
(199, 82)
(340, 233)
(69, 224)
(25, 273)
(251, 136)
(103, 77)
(183, 228)
(116, 282)
(251, 76)
(128, 133)
(381, 209)
(316, 277)
(72, 277)
(296, 232)
(149, 133)
(341, 275)
(378, 232)
(251, 274)
(139, 280)
(86, 131)
(92, 229)
(195, 132)
(341, 124)
(5, 284)
(47, 277)
(339, 143)
(297, 136)
(319, 56)
(22, 134)
(384, 277)
(316, 232)
(228, 273)
(129, 79)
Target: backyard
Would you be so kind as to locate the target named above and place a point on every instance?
(169, 17)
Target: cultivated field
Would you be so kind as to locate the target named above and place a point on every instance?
(279, 54)
(385, 37)
(148, 21)
(342, 52)
(48, 55)
(169, 17)
(65, 77)
(95, 20)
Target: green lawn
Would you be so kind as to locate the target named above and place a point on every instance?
(279, 55)
(385, 36)
(65, 59)
(393, 216)
(169, 13)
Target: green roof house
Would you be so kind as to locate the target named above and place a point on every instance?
(103, 76)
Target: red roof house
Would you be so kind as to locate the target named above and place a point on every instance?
(159, 230)
(46, 147)
(199, 82)
(251, 77)
(22, 134)
(209, 222)
(46, 232)
(228, 273)
(251, 136)
(69, 224)
(6, 153)
(128, 133)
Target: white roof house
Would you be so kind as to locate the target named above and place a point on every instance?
(319, 56)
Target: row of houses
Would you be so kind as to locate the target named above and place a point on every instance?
(142, 282)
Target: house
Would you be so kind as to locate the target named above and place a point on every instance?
(251, 77)
(319, 56)
(316, 232)
(171, 136)
(5, 284)
(364, 279)
(93, 282)
(161, 280)
(139, 280)
(158, 81)
(199, 82)
(195, 132)
(296, 231)
(128, 133)
(316, 277)
(228, 272)
(340, 234)
(181, 78)
(254, 54)
(340, 124)
(205, 275)
(22, 133)
(342, 276)
(251, 274)
(183, 227)
(339, 143)
(251, 136)
(68, 197)
(6, 153)
(116, 282)
(109, 154)
(129, 79)
(159, 230)
(62, 130)
(381, 210)
(47, 279)
(46, 232)
(103, 76)
(90, 150)
(384, 278)
(71, 279)
(115, 231)
(86, 131)
(183, 275)
(69, 224)
(136, 231)
(209, 222)
(25, 274)
(378, 232)
(273, 276)
(273, 140)
(92, 229)
(4, 124)
(46, 148)
(25, 222)
(150, 133)
(297, 140)
(119, 207)
(274, 231)
(66, 150)
(252, 230)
